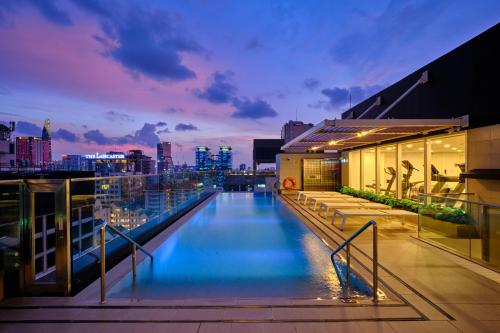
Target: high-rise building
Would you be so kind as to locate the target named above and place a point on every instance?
(46, 145)
(202, 159)
(7, 147)
(225, 158)
(73, 163)
(243, 167)
(29, 152)
(293, 129)
(142, 164)
(164, 156)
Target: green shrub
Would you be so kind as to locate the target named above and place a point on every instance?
(441, 213)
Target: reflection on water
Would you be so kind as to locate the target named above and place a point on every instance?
(239, 245)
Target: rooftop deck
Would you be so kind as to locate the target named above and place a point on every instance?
(427, 290)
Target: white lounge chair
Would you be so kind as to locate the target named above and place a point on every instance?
(347, 198)
(308, 196)
(326, 206)
(370, 213)
(300, 193)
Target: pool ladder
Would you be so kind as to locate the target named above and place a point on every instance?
(347, 245)
(135, 246)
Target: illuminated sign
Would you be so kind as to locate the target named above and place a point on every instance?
(99, 156)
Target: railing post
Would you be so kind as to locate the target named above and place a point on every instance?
(134, 260)
(375, 263)
(348, 268)
(103, 265)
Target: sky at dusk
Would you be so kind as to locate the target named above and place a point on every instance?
(119, 75)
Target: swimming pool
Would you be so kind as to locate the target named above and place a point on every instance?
(240, 245)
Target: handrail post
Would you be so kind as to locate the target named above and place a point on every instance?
(348, 268)
(375, 263)
(134, 260)
(103, 265)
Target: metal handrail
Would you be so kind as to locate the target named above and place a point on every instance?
(135, 245)
(347, 244)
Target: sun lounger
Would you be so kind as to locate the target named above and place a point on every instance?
(346, 198)
(326, 206)
(307, 196)
(300, 193)
(370, 213)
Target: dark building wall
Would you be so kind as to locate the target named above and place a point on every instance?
(265, 150)
(462, 82)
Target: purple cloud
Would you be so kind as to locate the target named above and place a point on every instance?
(255, 109)
(181, 127)
(220, 90)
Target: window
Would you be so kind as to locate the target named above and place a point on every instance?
(354, 160)
(447, 158)
(368, 164)
(387, 160)
(412, 169)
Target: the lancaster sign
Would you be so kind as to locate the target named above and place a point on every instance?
(99, 156)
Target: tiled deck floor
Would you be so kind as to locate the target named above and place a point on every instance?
(433, 292)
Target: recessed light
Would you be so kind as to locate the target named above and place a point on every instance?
(453, 148)
(459, 150)
(388, 148)
(438, 141)
(409, 145)
(421, 148)
(447, 146)
(372, 150)
(331, 143)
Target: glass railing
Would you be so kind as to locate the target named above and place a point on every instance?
(132, 204)
(11, 220)
(467, 227)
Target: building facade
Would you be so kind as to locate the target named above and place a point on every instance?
(164, 157)
(292, 129)
(203, 161)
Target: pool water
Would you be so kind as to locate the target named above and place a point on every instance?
(240, 245)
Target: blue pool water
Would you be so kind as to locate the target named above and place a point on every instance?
(240, 245)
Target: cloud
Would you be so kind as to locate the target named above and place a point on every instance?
(148, 43)
(255, 109)
(45, 8)
(65, 135)
(118, 117)
(28, 128)
(48, 9)
(173, 110)
(338, 97)
(397, 25)
(311, 83)
(254, 44)
(185, 127)
(161, 124)
(93, 7)
(219, 90)
(146, 136)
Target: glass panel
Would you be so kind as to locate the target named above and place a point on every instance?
(368, 164)
(138, 205)
(320, 174)
(387, 159)
(412, 173)
(447, 163)
(354, 162)
(469, 228)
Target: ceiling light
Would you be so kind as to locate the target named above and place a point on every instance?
(362, 133)
(388, 148)
(372, 150)
(459, 150)
(314, 148)
(332, 143)
(453, 148)
(409, 145)
(421, 148)
(447, 146)
(437, 141)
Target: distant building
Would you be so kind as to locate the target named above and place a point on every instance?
(225, 158)
(203, 160)
(73, 163)
(33, 151)
(293, 129)
(164, 157)
(46, 145)
(7, 147)
(109, 164)
(243, 167)
(142, 164)
(29, 152)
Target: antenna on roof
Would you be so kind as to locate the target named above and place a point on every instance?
(296, 118)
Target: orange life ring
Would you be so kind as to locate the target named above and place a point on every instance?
(289, 183)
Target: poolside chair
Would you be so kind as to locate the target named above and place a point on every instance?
(347, 198)
(349, 205)
(370, 213)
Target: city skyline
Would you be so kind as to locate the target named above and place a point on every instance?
(203, 76)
